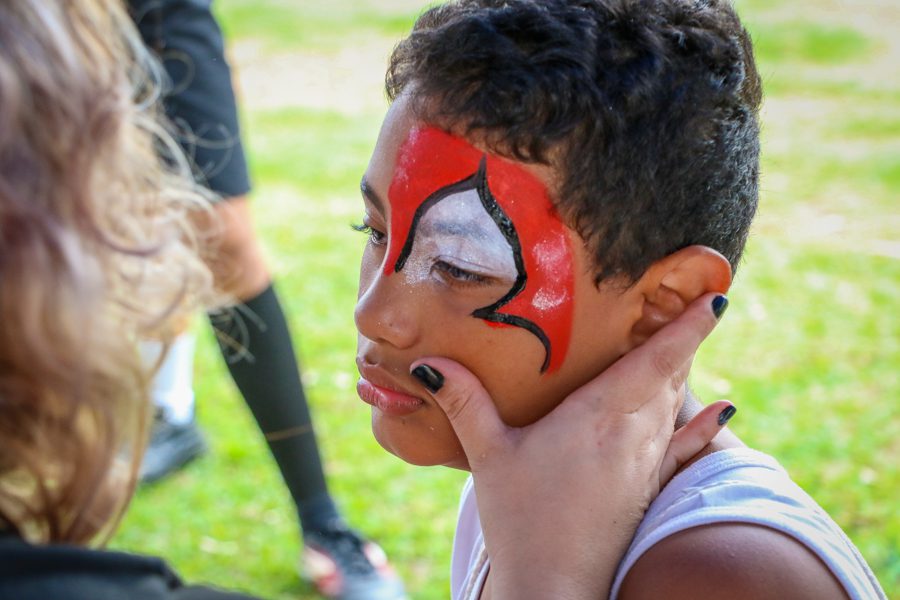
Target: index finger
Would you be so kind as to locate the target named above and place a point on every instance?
(662, 360)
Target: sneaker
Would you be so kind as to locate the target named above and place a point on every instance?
(343, 566)
(171, 447)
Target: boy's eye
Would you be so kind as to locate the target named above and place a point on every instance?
(459, 275)
(377, 238)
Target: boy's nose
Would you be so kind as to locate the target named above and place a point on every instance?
(387, 312)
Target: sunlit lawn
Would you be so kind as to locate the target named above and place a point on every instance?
(809, 350)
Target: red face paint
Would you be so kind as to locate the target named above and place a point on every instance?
(431, 162)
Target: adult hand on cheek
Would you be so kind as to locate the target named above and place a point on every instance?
(560, 500)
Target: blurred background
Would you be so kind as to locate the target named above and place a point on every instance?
(809, 350)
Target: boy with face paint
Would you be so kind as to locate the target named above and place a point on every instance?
(554, 183)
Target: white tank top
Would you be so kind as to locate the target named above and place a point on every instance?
(733, 485)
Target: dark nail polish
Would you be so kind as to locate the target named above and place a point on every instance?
(726, 415)
(719, 304)
(430, 377)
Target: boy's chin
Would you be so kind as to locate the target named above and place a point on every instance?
(422, 451)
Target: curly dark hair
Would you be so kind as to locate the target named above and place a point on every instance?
(646, 108)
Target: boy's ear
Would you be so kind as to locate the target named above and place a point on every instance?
(673, 282)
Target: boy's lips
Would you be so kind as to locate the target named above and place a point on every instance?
(387, 400)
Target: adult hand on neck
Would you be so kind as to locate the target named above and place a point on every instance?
(560, 500)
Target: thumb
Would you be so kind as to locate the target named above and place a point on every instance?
(464, 400)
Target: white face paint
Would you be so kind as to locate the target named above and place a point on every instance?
(549, 297)
(458, 231)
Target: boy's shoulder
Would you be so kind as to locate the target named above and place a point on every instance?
(730, 560)
(740, 505)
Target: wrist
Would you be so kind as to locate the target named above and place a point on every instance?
(538, 580)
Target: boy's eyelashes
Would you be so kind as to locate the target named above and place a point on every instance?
(458, 275)
(377, 238)
(450, 272)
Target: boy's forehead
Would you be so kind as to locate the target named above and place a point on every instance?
(394, 130)
(401, 120)
(431, 163)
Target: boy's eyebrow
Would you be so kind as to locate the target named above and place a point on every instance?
(463, 229)
(370, 195)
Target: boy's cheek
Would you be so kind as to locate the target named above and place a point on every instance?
(506, 361)
(527, 404)
(523, 395)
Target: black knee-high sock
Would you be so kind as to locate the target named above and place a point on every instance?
(256, 345)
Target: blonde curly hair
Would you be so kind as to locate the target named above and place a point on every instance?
(98, 248)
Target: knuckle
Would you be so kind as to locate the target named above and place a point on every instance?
(664, 365)
(458, 404)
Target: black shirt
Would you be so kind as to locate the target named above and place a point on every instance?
(32, 572)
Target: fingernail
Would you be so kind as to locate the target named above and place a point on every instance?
(719, 304)
(726, 415)
(431, 378)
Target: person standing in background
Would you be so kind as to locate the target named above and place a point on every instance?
(255, 340)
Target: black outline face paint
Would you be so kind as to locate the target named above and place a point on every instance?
(430, 158)
(478, 182)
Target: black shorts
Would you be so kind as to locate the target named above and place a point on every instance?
(199, 99)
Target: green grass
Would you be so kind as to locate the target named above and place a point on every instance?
(809, 350)
(866, 127)
(805, 42)
(282, 136)
(284, 25)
